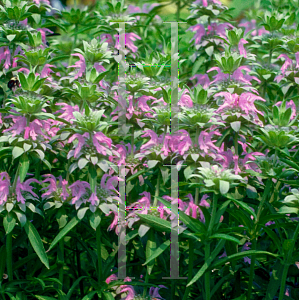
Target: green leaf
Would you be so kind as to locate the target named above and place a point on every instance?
(275, 281)
(89, 296)
(136, 175)
(95, 219)
(71, 290)
(2, 260)
(92, 172)
(236, 126)
(23, 81)
(225, 237)
(152, 163)
(157, 252)
(24, 166)
(82, 163)
(194, 224)
(17, 151)
(197, 64)
(36, 243)
(45, 298)
(243, 205)
(150, 249)
(207, 262)
(239, 255)
(223, 186)
(81, 212)
(9, 223)
(73, 222)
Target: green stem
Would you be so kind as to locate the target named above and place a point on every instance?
(208, 246)
(9, 256)
(98, 240)
(213, 216)
(251, 274)
(207, 274)
(190, 269)
(157, 189)
(236, 143)
(132, 141)
(196, 135)
(283, 281)
(287, 263)
(15, 180)
(165, 132)
(196, 200)
(178, 10)
(74, 44)
(61, 260)
(67, 170)
(146, 281)
(254, 234)
(79, 271)
(270, 58)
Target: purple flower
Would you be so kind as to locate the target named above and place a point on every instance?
(78, 189)
(102, 138)
(52, 187)
(129, 39)
(185, 99)
(5, 54)
(78, 147)
(67, 111)
(154, 291)
(199, 30)
(202, 79)
(25, 186)
(289, 104)
(241, 47)
(43, 33)
(245, 102)
(79, 64)
(4, 187)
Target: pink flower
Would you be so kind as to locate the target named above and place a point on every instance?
(67, 111)
(205, 143)
(202, 79)
(288, 62)
(129, 39)
(78, 189)
(185, 99)
(78, 147)
(43, 33)
(53, 186)
(289, 104)
(25, 186)
(241, 47)
(4, 187)
(154, 291)
(5, 54)
(79, 64)
(199, 30)
(245, 102)
(152, 142)
(102, 138)
(46, 70)
(19, 125)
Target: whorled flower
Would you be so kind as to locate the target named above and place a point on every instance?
(217, 179)
(8, 195)
(60, 192)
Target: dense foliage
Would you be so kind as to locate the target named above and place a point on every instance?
(86, 135)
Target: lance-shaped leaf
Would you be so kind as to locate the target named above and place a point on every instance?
(207, 262)
(36, 243)
(72, 223)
